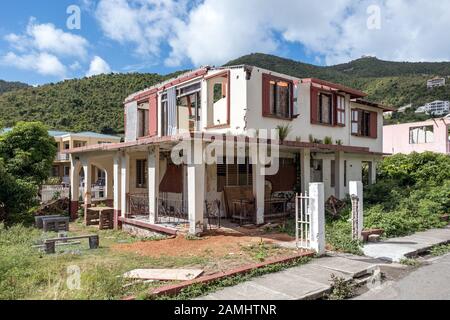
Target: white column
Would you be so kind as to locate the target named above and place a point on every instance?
(196, 197)
(124, 182)
(259, 190)
(339, 188)
(317, 211)
(116, 189)
(356, 189)
(374, 172)
(87, 168)
(305, 167)
(153, 183)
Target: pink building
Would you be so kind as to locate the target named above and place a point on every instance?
(431, 135)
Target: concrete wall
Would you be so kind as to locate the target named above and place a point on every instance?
(396, 137)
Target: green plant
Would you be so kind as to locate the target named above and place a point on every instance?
(311, 138)
(440, 250)
(341, 288)
(339, 142)
(283, 131)
(410, 262)
(192, 237)
(298, 138)
(328, 140)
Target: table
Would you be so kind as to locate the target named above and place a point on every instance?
(101, 216)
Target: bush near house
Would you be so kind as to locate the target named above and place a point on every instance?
(411, 194)
(26, 156)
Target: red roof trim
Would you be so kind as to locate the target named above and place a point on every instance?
(148, 92)
(353, 92)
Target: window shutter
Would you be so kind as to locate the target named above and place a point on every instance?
(334, 109)
(374, 125)
(265, 95)
(153, 115)
(314, 104)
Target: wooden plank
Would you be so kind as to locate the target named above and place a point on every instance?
(164, 274)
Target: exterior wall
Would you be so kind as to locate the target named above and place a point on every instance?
(396, 137)
(301, 126)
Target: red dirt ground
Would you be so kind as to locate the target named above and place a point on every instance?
(214, 243)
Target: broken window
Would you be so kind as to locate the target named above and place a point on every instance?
(143, 119)
(361, 122)
(424, 134)
(278, 97)
(218, 102)
(325, 115)
(234, 174)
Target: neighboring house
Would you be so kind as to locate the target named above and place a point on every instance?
(69, 140)
(431, 135)
(435, 108)
(335, 137)
(435, 82)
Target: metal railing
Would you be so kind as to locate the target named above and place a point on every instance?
(169, 210)
(62, 157)
(303, 234)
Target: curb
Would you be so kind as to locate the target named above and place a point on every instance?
(174, 289)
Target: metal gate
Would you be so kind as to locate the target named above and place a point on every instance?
(303, 235)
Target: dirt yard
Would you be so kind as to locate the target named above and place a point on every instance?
(225, 248)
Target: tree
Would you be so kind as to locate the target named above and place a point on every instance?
(28, 152)
(26, 156)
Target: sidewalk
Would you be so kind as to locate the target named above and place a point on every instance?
(312, 280)
(309, 281)
(395, 249)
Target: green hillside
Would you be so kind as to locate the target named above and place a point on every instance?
(95, 103)
(6, 86)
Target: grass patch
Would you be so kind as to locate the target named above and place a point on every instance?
(410, 262)
(440, 250)
(198, 290)
(27, 273)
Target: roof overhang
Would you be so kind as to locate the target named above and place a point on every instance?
(373, 104)
(334, 87)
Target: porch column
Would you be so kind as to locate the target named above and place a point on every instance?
(339, 188)
(196, 197)
(153, 183)
(305, 164)
(116, 189)
(87, 168)
(356, 189)
(74, 187)
(259, 190)
(124, 183)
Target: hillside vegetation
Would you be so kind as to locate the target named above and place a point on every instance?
(95, 103)
(6, 86)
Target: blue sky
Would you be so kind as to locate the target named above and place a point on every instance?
(162, 36)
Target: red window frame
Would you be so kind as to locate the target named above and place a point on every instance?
(267, 108)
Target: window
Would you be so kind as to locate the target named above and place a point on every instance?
(66, 171)
(234, 175)
(325, 110)
(55, 171)
(367, 173)
(143, 118)
(345, 173)
(423, 134)
(316, 170)
(361, 123)
(218, 106)
(141, 173)
(79, 144)
(340, 110)
(278, 97)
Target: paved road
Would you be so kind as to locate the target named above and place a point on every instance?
(430, 282)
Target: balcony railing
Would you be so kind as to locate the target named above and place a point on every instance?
(62, 157)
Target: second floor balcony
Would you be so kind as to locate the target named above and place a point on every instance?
(62, 157)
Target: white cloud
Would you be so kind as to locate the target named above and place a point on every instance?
(215, 31)
(98, 66)
(47, 38)
(145, 23)
(43, 63)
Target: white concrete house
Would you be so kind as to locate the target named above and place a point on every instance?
(335, 137)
